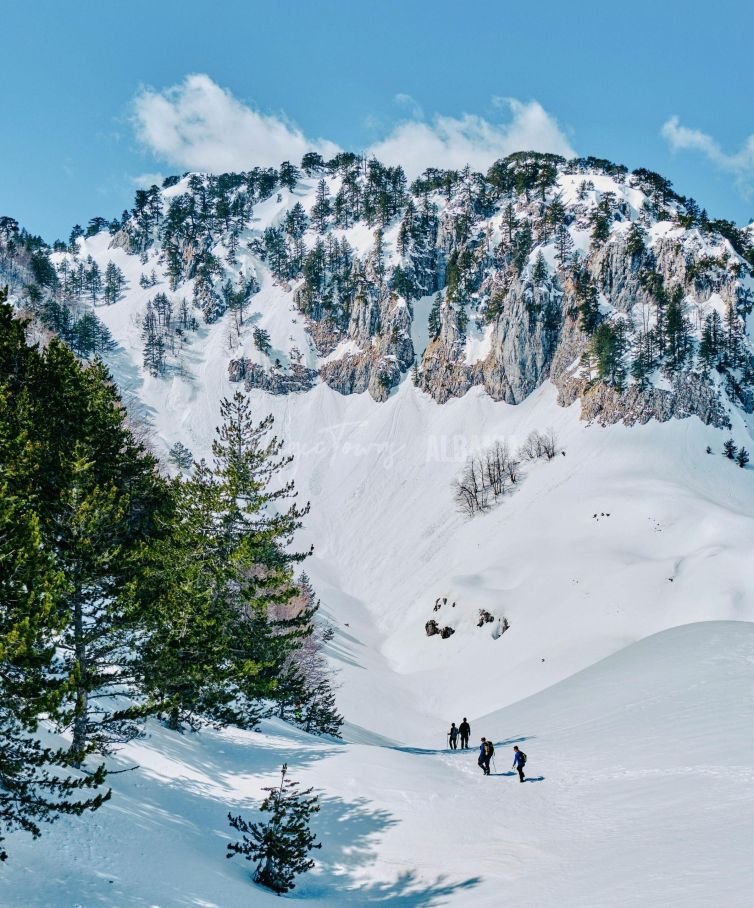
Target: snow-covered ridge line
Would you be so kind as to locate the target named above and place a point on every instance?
(577, 271)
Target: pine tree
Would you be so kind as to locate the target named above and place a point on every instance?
(181, 456)
(322, 207)
(644, 358)
(435, 320)
(114, 283)
(600, 228)
(105, 496)
(677, 333)
(93, 280)
(510, 221)
(305, 693)
(539, 273)
(36, 784)
(154, 342)
(742, 458)
(217, 649)
(563, 245)
(734, 337)
(296, 221)
(587, 300)
(730, 449)
(608, 349)
(635, 244)
(262, 340)
(281, 845)
(289, 175)
(713, 339)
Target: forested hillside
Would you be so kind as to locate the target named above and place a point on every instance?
(126, 594)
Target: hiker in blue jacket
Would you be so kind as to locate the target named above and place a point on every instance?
(519, 761)
(485, 755)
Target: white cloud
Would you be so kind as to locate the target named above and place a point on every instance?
(410, 104)
(740, 164)
(147, 180)
(197, 125)
(453, 142)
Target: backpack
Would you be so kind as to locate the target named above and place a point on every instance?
(488, 749)
(523, 757)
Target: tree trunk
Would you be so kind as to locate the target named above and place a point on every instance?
(78, 745)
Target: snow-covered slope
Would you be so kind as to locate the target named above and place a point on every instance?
(640, 792)
(574, 585)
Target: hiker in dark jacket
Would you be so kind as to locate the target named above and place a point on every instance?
(464, 730)
(486, 750)
(519, 761)
(452, 736)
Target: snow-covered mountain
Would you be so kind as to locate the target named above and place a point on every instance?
(393, 331)
(610, 284)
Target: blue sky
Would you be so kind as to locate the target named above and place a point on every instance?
(96, 95)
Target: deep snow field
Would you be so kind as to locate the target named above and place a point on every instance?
(624, 568)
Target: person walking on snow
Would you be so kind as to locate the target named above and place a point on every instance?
(486, 750)
(464, 730)
(519, 761)
(452, 736)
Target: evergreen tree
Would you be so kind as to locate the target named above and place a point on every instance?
(281, 845)
(563, 245)
(262, 340)
(713, 338)
(289, 175)
(510, 221)
(312, 162)
(435, 321)
(608, 349)
(635, 244)
(296, 221)
(645, 358)
(154, 342)
(522, 246)
(729, 449)
(36, 784)
(181, 456)
(587, 300)
(305, 693)
(322, 207)
(742, 458)
(217, 649)
(540, 272)
(677, 333)
(600, 228)
(93, 281)
(103, 498)
(733, 337)
(114, 283)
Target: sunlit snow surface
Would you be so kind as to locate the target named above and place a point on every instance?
(624, 568)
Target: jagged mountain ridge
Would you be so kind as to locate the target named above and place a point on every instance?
(610, 284)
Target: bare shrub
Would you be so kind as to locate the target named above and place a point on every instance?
(539, 445)
(495, 465)
(486, 478)
(472, 494)
(513, 469)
